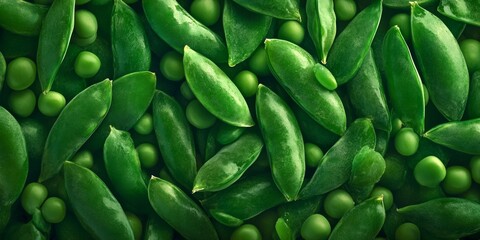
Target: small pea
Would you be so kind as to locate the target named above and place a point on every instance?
(407, 231)
(429, 172)
(457, 181)
(136, 225)
(51, 104)
(387, 196)
(186, 91)
(148, 155)
(22, 102)
(406, 142)
(198, 116)
(33, 196)
(144, 125)
(83, 158)
(317, 227)
(402, 20)
(54, 210)
(396, 125)
(324, 77)
(87, 64)
(86, 24)
(258, 62)
(246, 231)
(292, 31)
(171, 66)
(337, 203)
(471, 52)
(313, 155)
(21, 73)
(345, 10)
(205, 11)
(247, 82)
(475, 168)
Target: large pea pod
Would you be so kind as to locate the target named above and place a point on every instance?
(226, 133)
(214, 89)
(322, 26)
(229, 164)
(244, 200)
(353, 43)
(293, 214)
(179, 210)
(22, 17)
(293, 68)
(282, 9)
(406, 3)
(75, 124)
(466, 11)
(463, 136)
(336, 165)
(178, 28)
(131, 51)
(473, 111)
(445, 217)
(404, 84)
(364, 221)
(3, 69)
(157, 229)
(441, 63)
(283, 141)
(94, 204)
(54, 38)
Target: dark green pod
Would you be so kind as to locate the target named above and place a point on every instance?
(473, 111)
(179, 211)
(445, 217)
(383, 140)
(293, 69)
(353, 43)
(463, 136)
(22, 17)
(3, 70)
(466, 11)
(406, 3)
(441, 63)
(226, 133)
(293, 214)
(282, 9)
(26, 231)
(312, 131)
(71, 229)
(322, 25)
(157, 229)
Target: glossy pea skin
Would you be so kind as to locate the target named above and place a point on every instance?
(54, 210)
(461, 136)
(402, 20)
(457, 180)
(83, 158)
(316, 227)
(247, 83)
(22, 17)
(463, 11)
(136, 225)
(22, 103)
(321, 24)
(87, 64)
(324, 77)
(144, 125)
(387, 196)
(407, 231)
(471, 51)
(430, 171)
(227, 134)
(21, 73)
(406, 142)
(291, 31)
(246, 231)
(85, 25)
(288, 9)
(292, 216)
(198, 116)
(171, 66)
(51, 103)
(148, 155)
(337, 203)
(313, 155)
(205, 11)
(258, 62)
(33, 196)
(345, 10)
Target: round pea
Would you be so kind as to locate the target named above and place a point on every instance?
(148, 155)
(337, 203)
(136, 225)
(457, 181)
(51, 104)
(186, 91)
(475, 168)
(33, 196)
(144, 125)
(86, 24)
(83, 158)
(53, 210)
(430, 171)
(471, 52)
(396, 125)
(406, 142)
(313, 155)
(292, 31)
(246, 231)
(171, 66)
(205, 11)
(402, 20)
(387, 196)
(345, 9)
(87, 64)
(198, 116)
(258, 62)
(21, 73)
(22, 102)
(247, 82)
(315, 227)
(407, 231)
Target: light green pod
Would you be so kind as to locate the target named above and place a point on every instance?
(282, 9)
(463, 136)
(322, 25)
(467, 11)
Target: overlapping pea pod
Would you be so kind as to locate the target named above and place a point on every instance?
(441, 63)
(463, 136)
(322, 26)
(179, 211)
(293, 68)
(96, 208)
(75, 124)
(244, 200)
(54, 38)
(131, 51)
(445, 217)
(25, 231)
(353, 43)
(283, 141)
(336, 164)
(473, 111)
(293, 214)
(404, 84)
(282, 9)
(226, 133)
(3, 69)
(156, 228)
(461, 10)
(71, 229)
(312, 131)
(22, 17)
(406, 3)
(178, 28)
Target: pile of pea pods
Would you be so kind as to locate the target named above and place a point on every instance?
(240, 120)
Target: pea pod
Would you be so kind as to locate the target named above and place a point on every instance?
(131, 51)
(71, 229)
(441, 63)
(312, 131)
(54, 38)
(293, 214)
(156, 229)
(178, 28)
(282, 9)
(321, 24)
(22, 17)
(283, 141)
(473, 111)
(353, 43)
(406, 3)
(86, 110)
(404, 84)
(293, 68)
(382, 141)
(96, 208)
(214, 89)
(3, 69)
(26, 231)
(179, 211)
(336, 165)
(461, 10)
(463, 136)
(445, 217)
(227, 133)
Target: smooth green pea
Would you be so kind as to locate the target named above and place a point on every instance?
(458, 180)
(205, 11)
(291, 31)
(397, 124)
(471, 52)
(315, 227)
(475, 168)
(345, 9)
(430, 171)
(87, 64)
(186, 91)
(337, 203)
(51, 104)
(313, 155)
(246, 231)
(324, 77)
(402, 20)
(387, 196)
(22, 102)
(198, 116)
(247, 83)
(144, 125)
(406, 142)
(258, 62)
(83, 158)
(171, 66)
(33, 196)
(136, 225)
(86, 24)
(21, 73)
(148, 155)
(54, 210)
(407, 231)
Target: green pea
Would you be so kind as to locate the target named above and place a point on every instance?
(21, 73)
(337, 203)
(406, 142)
(291, 31)
(186, 91)
(22, 102)
(387, 196)
(324, 77)
(86, 24)
(171, 66)
(144, 125)
(247, 83)
(475, 168)
(430, 171)
(402, 20)
(458, 180)
(87, 64)
(136, 225)
(148, 155)
(345, 9)
(397, 124)
(315, 227)
(258, 62)
(246, 231)
(471, 52)
(205, 11)
(33, 196)
(313, 155)
(83, 158)
(198, 116)
(407, 231)
(51, 104)
(54, 210)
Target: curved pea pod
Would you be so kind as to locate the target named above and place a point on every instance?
(445, 217)
(96, 208)
(322, 26)
(473, 111)
(353, 43)
(367, 96)
(463, 136)
(336, 165)
(441, 63)
(26, 231)
(71, 229)
(214, 89)
(282, 9)
(406, 3)
(229, 164)
(131, 51)
(283, 141)
(364, 221)
(3, 70)
(244, 200)
(404, 83)
(178, 28)
(22, 17)
(75, 124)
(293, 214)
(226, 133)
(312, 131)
(156, 228)
(461, 10)
(382, 141)
(293, 68)
(54, 38)
(179, 211)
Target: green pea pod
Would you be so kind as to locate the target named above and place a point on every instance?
(461, 10)
(179, 210)
(175, 139)
(383, 140)
(3, 70)
(13, 45)
(282, 9)
(178, 28)
(283, 141)
(54, 38)
(96, 208)
(463, 136)
(22, 17)
(445, 217)
(229, 164)
(322, 26)
(86, 111)
(293, 68)
(227, 133)
(353, 43)
(336, 165)
(312, 131)
(214, 89)
(211, 145)
(406, 3)
(393, 219)
(244, 200)
(40, 223)
(404, 84)
(26, 231)
(293, 214)
(239, 22)
(441, 63)
(131, 51)
(428, 148)
(367, 96)
(364, 221)
(156, 229)
(71, 229)
(473, 111)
